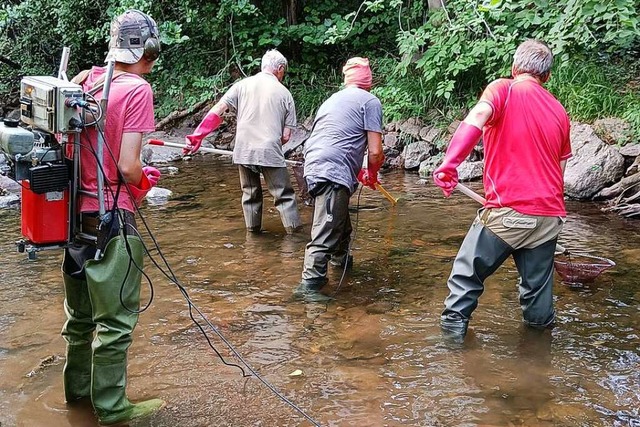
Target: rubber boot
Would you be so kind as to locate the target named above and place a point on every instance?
(480, 255)
(309, 291)
(114, 288)
(342, 255)
(330, 233)
(252, 200)
(78, 332)
(284, 197)
(109, 399)
(536, 284)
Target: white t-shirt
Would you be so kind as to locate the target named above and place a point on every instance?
(264, 107)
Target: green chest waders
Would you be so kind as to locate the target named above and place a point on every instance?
(104, 303)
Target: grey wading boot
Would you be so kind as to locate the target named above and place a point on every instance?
(453, 327)
(310, 292)
(480, 255)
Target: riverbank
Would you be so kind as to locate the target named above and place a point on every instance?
(605, 165)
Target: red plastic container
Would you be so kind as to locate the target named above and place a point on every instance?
(45, 217)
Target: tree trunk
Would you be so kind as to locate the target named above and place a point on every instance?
(176, 116)
(435, 4)
(9, 62)
(293, 10)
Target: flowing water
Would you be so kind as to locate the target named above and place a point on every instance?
(373, 357)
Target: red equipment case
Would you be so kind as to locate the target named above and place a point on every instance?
(45, 217)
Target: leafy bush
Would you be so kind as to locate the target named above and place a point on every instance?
(426, 62)
(469, 43)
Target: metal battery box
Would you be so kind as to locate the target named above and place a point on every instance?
(43, 103)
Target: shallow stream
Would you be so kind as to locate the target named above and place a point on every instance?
(373, 357)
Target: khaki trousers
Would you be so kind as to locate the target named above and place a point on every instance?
(279, 185)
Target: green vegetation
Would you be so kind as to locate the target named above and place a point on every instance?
(428, 62)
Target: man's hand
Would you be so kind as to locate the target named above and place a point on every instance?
(193, 143)
(153, 175)
(446, 178)
(464, 139)
(367, 179)
(210, 123)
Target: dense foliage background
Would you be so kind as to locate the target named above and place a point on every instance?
(430, 58)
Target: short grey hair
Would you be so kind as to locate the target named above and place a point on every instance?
(272, 60)
(533, 57)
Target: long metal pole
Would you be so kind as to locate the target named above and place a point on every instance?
(75, 186)
(100, 147)
(64, 61)
(208, 150)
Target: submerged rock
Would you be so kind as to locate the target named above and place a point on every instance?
(158, 196)
(10, 200)
(44, 364)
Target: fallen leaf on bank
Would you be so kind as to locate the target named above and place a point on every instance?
(296, 373)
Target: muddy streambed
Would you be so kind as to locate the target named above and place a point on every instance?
(374, 357)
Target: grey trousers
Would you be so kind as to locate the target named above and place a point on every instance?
(480, 255)
(279, 185)
(330, 233)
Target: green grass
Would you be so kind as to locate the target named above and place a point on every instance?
(591, 90)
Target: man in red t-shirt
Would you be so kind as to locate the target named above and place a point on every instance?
(102, 279)
(525, 133)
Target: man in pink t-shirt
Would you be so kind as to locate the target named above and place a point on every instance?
(102, 278)
(525, 132)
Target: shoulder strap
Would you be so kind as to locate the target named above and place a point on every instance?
(81, 77)
(98, 84)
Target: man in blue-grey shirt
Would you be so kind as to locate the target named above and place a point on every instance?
(347, 124)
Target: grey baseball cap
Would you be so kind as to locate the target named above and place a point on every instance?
(129, 32)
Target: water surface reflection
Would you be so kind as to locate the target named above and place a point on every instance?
(374, 357)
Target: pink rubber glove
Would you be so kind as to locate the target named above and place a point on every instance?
(210, 123)
(139, 190)
(462, 142)
(368, 179)
(153, 175)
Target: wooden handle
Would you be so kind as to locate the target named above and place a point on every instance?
(386, 194)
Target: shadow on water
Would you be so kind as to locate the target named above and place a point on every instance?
(372, 357)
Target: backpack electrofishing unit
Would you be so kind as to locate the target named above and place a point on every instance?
(43, 155)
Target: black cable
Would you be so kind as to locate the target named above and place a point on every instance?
(173, 278)
(123, 224)
(190, 305)
(100, 112)
(353, 239)
(230, 346)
